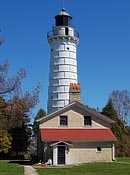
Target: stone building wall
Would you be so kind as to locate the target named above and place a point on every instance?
(74, 120)
(89, 153)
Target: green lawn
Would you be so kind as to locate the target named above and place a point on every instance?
(122, 159)
(7, 168)
(121, 167)
(115, 168)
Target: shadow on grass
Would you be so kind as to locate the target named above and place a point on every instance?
(24, 161)
(19, 159)
(21, 162)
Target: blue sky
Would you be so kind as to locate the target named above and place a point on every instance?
(103, 52)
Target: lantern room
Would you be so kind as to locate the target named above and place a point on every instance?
(63, 19)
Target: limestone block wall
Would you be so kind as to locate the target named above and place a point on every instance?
(75, 119)
(50, 123)
(90, 154)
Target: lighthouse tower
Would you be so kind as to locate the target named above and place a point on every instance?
(63, 41)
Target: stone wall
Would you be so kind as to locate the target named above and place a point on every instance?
(74, 120)
(90, 153)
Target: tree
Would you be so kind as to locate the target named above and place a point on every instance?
(41, 113)
(15, 106)
(3, 114)
(5, 137)
(122, 133)
(10, 84)
(121, 103)
(1, 39)
(20, 139)
(5, 141)
(20, 108)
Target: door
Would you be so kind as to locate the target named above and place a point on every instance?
(61, 154)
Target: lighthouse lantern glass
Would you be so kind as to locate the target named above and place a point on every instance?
(63, 21)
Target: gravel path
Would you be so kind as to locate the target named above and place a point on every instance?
(29, 170)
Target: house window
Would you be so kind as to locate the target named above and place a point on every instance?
(99, 149)
(87, 121)
(63, 120)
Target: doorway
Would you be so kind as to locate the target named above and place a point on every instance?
(61, 154)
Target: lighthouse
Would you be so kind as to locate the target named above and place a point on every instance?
(63, 76)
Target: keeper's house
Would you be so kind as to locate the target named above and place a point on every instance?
(76, 134)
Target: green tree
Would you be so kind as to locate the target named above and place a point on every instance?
(20, 139)
(41, 113)
(122, 133)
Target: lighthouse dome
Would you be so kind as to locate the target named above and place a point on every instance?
(63, 13)
(63, 18)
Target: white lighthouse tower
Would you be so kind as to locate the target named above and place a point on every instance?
(63, 41)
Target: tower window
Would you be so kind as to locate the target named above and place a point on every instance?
(87, 121)
(66, 30)
(68, 48)
(63, 120)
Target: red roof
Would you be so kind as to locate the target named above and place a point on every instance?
(79, 134)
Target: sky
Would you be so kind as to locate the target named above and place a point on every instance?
(103, 52)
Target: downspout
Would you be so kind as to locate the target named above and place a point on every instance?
(113, 152)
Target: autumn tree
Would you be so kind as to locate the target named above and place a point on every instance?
(5, 138)
(15, 106)
(3, 114)
(5, 141)
(9, 84)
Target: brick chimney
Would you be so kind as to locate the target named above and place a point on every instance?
(74, 92)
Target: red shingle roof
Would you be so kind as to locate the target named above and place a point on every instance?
(77, 134)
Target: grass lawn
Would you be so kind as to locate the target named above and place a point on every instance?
(7, 168)
(122, 159)
(115, 168)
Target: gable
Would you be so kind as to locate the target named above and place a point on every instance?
(75, 112)
(74, 119)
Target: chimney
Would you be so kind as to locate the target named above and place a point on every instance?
(74, 92)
